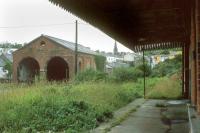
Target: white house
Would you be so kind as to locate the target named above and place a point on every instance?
(131, 57)
(112, 58)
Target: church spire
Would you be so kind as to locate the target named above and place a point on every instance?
(115, 50)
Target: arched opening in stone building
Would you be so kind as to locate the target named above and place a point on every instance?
(28, 69)
(57, 69)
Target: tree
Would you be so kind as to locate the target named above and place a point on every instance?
(8, 68)
(168, 67)
(165, 52)
(10, 45)
(100, 62)
(143, 66)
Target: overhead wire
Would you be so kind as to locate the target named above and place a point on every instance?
(35, 26)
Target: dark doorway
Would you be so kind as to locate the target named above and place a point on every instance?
(57, 69)
(28, 69)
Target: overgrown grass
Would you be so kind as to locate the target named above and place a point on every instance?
(61, 107)
(73, 107)
(165, 88)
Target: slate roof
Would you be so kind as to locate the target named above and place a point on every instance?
(71, 45)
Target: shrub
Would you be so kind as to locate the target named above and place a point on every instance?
(130, 74)
(100, 62)
(58, 107)
(141, 68)
(138, 73)
(47, 116)
(168, 67)
(8, 68)
(124, 74)
(90, 75)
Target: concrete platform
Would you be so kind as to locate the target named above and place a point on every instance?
(195, 121)
(149, 119)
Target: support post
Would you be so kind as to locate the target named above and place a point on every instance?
(144, 75)
(187, 71)
(183, 72)
(197, 6)
(76, 47)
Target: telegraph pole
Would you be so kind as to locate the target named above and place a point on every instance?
(76, 47)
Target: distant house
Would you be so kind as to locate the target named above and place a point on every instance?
(111, 59)
(50, 58)
(131, 57)
(156, 59)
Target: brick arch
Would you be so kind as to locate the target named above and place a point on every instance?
(27, 69)
(57, 69)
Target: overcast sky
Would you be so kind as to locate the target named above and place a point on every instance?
(23, 20)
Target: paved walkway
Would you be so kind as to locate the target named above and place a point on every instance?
(149, 119)
(195, 120)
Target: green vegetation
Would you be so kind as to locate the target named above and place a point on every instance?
(11, 45)
(124, 74)
(100, 62)
(168, 67)
(161, 52)
(8, 68)
(132, 73)
(60, 107)
(84, 103)
(165, 88)
(72, 107)
(90, 75)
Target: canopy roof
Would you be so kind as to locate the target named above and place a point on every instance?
(138, 24)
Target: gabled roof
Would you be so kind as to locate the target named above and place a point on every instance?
(71, 45)
(65, 44)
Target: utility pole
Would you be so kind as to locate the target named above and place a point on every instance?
(76, 47)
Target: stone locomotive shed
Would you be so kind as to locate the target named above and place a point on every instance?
(51, 58)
